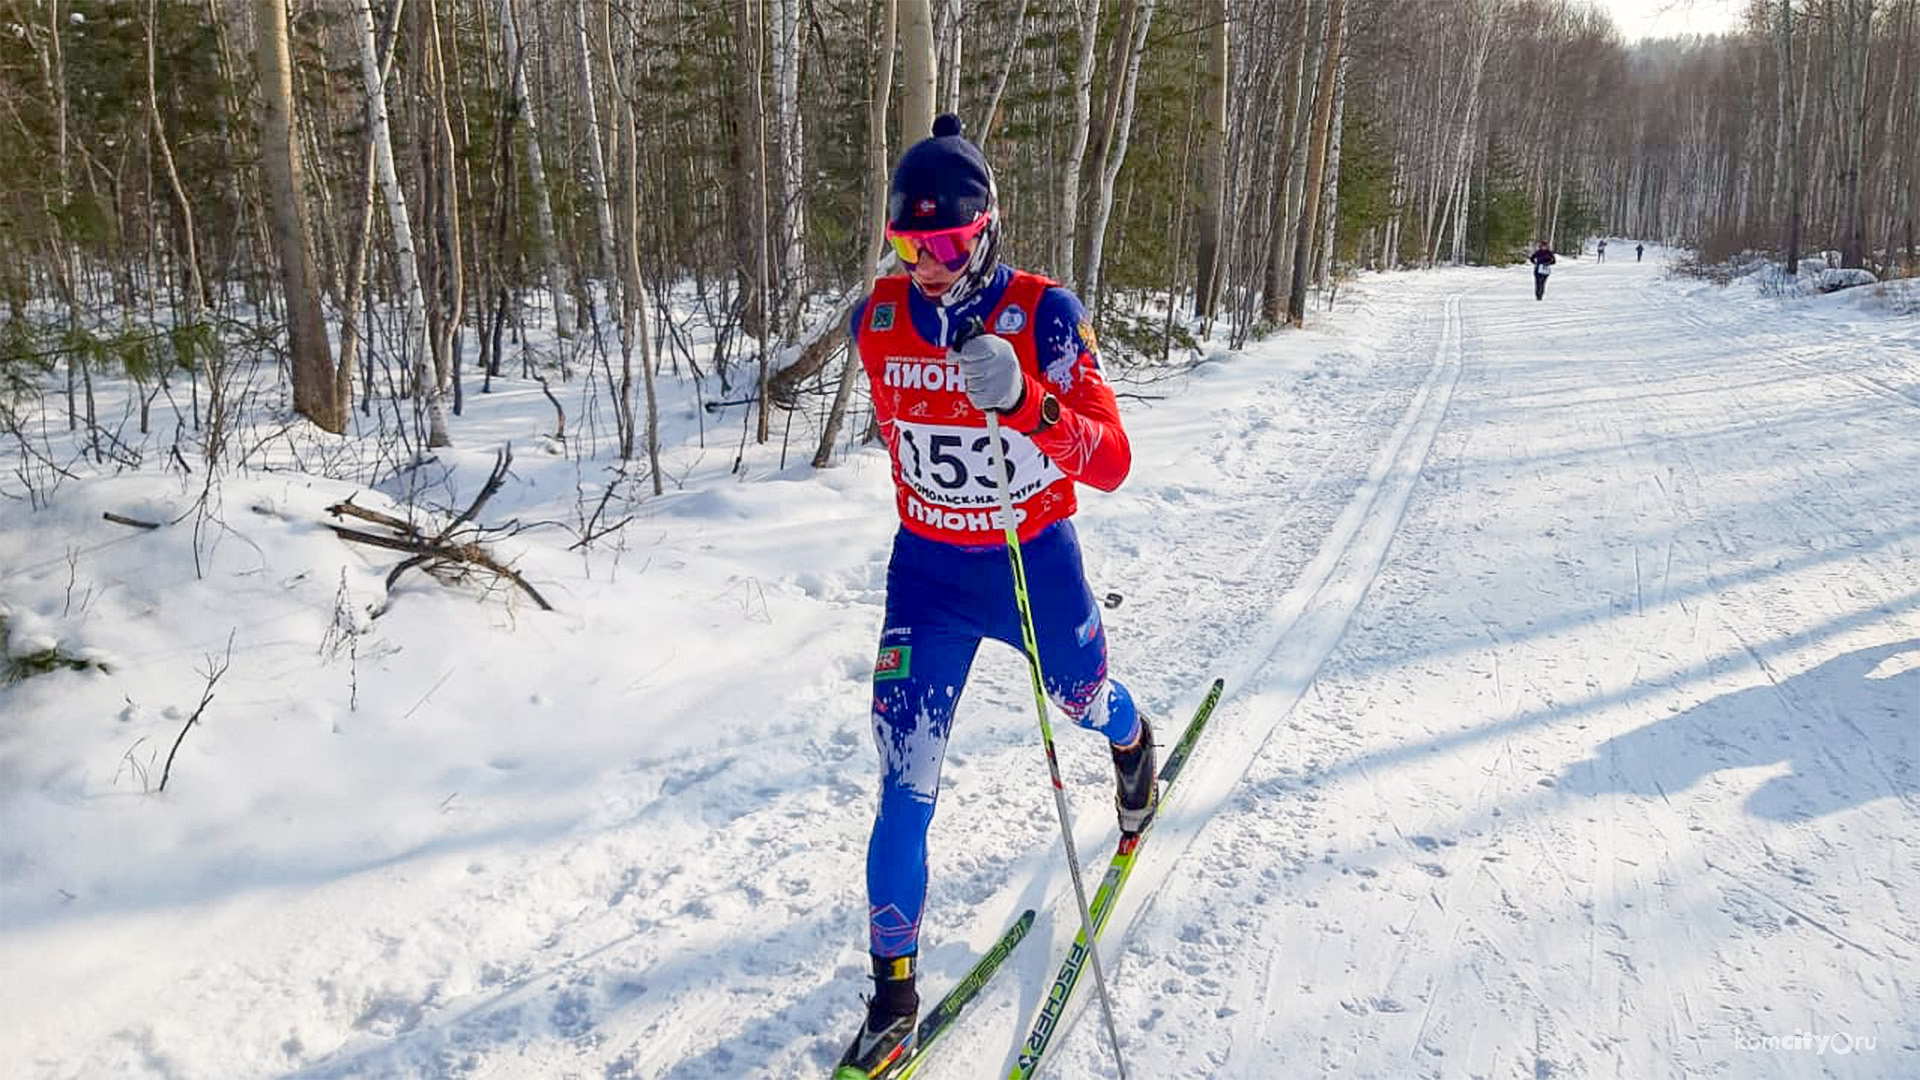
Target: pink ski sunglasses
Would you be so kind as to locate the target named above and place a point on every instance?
(951, 248)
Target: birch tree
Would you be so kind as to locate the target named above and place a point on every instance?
(1114, 144)
(426, 384)
(790, 135)
(878, 89)
(596, 155)
(633, 308)
(1788, 150)
(1330, 186)
(441, 186)
(918, 71)
(990, 118)
(556, 267)
(1078, 132)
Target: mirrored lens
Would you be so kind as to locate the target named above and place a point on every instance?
(904, 247)
(951, 248)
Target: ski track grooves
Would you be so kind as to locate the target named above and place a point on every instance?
(1313, 616)
(1269, 675)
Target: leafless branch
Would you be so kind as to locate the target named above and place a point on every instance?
(450, 550)
(135, 522)
(212, 674)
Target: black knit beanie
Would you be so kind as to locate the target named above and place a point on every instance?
(940, 183)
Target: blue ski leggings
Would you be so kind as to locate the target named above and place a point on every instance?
(942, 600)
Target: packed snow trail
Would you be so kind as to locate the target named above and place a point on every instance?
(1573, 660)
(1281, 649)
(1614, 771)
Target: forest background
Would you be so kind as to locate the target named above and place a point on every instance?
(354, 212)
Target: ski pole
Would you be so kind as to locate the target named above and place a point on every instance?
(1030, 642)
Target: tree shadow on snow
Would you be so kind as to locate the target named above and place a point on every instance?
(1849, 731)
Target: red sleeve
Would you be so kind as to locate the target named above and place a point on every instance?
(1088, 443)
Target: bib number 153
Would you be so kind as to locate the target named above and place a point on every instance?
(951, 462)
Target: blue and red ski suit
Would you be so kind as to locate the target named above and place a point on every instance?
(949, 583)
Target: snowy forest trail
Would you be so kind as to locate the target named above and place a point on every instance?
(1613, 771)
(1572, 652)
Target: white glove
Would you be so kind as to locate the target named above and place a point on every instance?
(992, 371)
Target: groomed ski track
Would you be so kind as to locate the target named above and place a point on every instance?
(1583, 745)
(1269, 649)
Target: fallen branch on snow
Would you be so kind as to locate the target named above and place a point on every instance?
(446, 555)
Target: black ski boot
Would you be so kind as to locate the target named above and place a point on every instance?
(1137, 792)
(887, 1037)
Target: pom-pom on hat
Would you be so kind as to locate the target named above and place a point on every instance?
(941, 182)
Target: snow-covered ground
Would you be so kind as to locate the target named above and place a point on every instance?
(1572, 729)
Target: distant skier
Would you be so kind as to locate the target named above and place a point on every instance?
(1603, 252)
(949, 582)
(1639, 250)
(1542, 260)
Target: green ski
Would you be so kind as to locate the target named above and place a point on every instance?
(940, 1019)
(1053, 1010)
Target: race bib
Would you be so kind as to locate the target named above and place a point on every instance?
(1543, 269)
(951, 467)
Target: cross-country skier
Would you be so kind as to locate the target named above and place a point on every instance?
(1542, 260)
(949, 582)
(1639, 250)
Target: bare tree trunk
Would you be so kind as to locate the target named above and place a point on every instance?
(816, 349)
(635, 306)
(1893, 127)
(1211, 184)
(557, 280)
(1330, 193)
(596, 156)
(1912, 170)
(1316, 164)
(1559, 189)
(992, 115)
(315, 395)
(1390, 243)
(1857, 48)
(632, 309)
(750, 203)
(1114, 148)
(1463, 200)
(950, 32)
(426, 382)
(450, 297)
(791, 134)
(1466, 117)
(1069, 168)
(353, 287)
(918, 74)
(877, 166)
(1272, 305)
(1790, 135)
(1178, 218)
